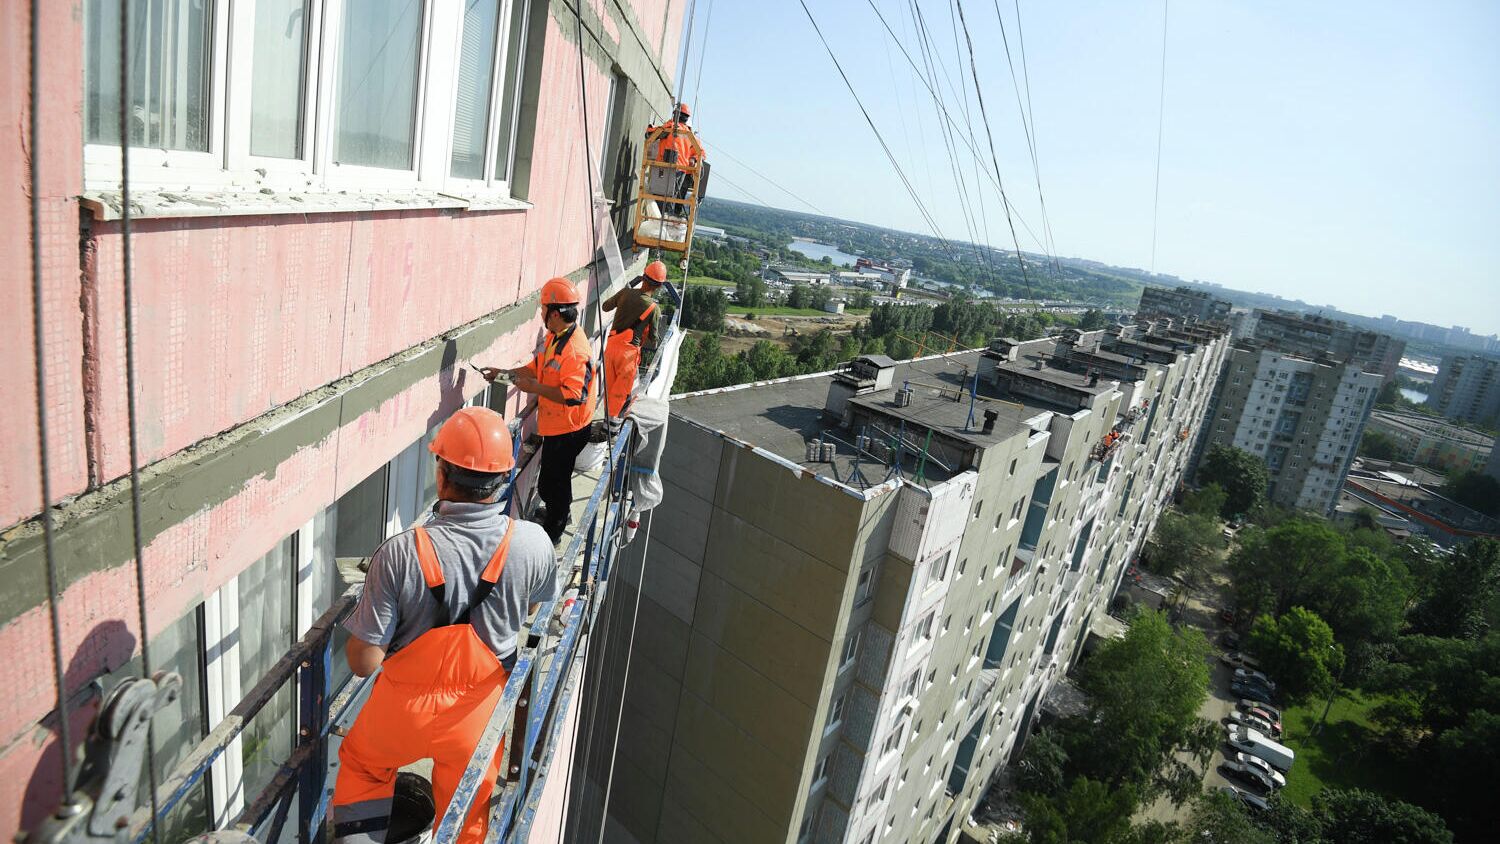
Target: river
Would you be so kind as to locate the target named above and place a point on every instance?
(818, 251)
(1413, 395)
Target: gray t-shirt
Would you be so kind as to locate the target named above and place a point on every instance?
(396, 606)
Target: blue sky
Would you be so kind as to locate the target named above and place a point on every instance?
(1343, 153)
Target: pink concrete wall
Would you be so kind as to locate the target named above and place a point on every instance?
(234, 317)
(60, 160)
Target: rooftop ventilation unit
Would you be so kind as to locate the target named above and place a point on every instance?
(864, 374)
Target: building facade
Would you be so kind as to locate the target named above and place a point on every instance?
(1314, 336)
(1467, 389)
(867, 580)
(1432, 442)
(1304, 418)
(1183, 303)
(329, 227)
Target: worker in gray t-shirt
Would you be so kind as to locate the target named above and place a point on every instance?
(440, 615)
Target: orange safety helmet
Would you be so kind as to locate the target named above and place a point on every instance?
(682, 108)
(656, 271)
(559, 291)
(475, 439)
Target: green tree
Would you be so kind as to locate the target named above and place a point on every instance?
(1043, 764)
(1240, 474)
(1205, 501)
(1298, 650)
(1354, 816)
(1185, 545)
(798, 297)
(863, 299)
(1475, 490)
(1093, 319)
(1144, 692)
(1089, 811)
(1457, 590)
(703, 308)
(1220, 818)
(821, 296)
(1379, 445)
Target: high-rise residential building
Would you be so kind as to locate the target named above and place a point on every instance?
(1467, 389)
(1315, 336)
(1182, 304)
(1303, 417)
(865, 581)
(337, 208)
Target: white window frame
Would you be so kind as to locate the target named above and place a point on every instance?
(835, 715)
(851, 650)
(228, 165)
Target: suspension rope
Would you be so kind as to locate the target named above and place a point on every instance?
(130, 400)
(1161, 112)
(59, 680)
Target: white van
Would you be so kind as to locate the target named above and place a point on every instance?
(1257, 744)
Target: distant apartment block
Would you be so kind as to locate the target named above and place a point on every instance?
(1313, 336)
(868, 579)
(1183, 304)
(1467, 389)
(1433, 442)
(1303, 417)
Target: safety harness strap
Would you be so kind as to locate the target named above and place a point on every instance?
(490, 576)
(432, 573)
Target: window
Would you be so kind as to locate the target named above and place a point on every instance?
(938, 568)
(835, 712)
(820, 772)
(851, 649)
(866, 586)
(923, 632)
(910, 689)
(893, 740)
(302, 95)
(1013, 467)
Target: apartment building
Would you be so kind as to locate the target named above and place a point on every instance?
(866, 581)
(1303, 417)
(1467, 389)
(337, 207)
(1433, 442)
(1314, 336)
(1183, 303)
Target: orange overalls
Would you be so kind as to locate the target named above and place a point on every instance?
(433, 698)
(622, 360)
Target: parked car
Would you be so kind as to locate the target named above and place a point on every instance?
(1228, 534)
(1229, 639)
(1250, 692)
(1267, 709)
(1239, 659)
(1275, 777)
(1249, 674)
(1253, 801)
(1263, 712)
(1255, 743)
(1254, 722)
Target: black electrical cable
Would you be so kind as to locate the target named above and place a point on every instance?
(130, 400)
(54, 596)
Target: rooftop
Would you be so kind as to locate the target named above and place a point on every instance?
(1435, 426)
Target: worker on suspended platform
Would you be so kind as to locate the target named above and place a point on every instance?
(677, 148)
(561, 376)
(441, 612)
(634, 329)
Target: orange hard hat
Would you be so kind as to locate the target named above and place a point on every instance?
(682, 108)
(559, 291)
(476, 439)
(656, 271)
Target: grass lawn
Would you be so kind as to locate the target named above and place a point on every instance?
(704, 280)
(1346, 754)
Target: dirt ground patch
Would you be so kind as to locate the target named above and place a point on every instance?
(781, 329)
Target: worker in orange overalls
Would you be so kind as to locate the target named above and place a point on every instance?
(440, 614)
(561, 375)
(678, 148)
(634, 327)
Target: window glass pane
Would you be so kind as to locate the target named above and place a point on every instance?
(266, 618)
(476, 65)
(377, 108)
(179, 725)
(278, 68)
(510, 91)
(171, 64)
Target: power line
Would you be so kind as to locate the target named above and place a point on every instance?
(719, 150)
(1028, 124)
(921, 207)
(995, 159)
(721, 177)
(1161, 111)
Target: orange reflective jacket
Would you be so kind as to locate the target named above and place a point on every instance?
(567, 362)
(687, 152)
